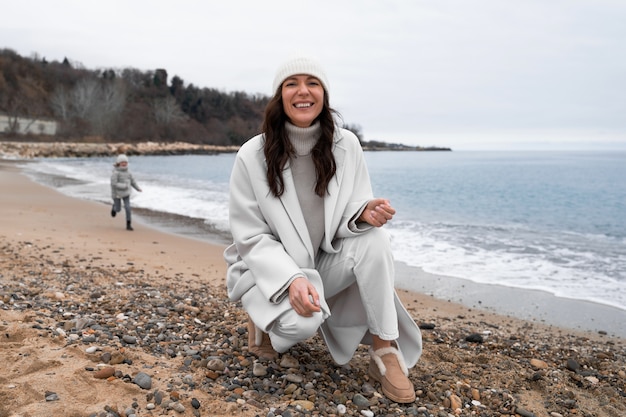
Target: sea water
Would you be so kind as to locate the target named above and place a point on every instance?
(550, 221)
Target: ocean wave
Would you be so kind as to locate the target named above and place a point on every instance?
(587, 268)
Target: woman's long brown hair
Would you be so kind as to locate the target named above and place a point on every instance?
(278, 148)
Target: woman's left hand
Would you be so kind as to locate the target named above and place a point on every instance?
(377, 212)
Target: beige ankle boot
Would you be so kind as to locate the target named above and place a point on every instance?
(259, 343)
(387, 367)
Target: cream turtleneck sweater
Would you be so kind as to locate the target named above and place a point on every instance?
(303, 140)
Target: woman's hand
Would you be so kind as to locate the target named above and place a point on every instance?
(303, 297)
(377, 212)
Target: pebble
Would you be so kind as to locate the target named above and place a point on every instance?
(143, 380)
(455, 402)
(475, 338)
(288, 361)
(304, 405)
(360, 400)
(178, 407)
(475, 394)
(212, 375)
(259, 369)
(572, 365)
(524, 413)
(158, 397)
(294, 378)
(51, 396)
(116, 358)
(104, 373)
(216, 365)
(367, 389)
(538, 364)
(89, 339)
(105, 357)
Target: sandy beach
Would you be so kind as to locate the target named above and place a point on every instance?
(96, 320)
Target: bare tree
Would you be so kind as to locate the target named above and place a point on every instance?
(105, 113)
(113, 96)
(167, 111)
(61, 104)
(356, 129)
(98, 103)
(17, 108)
(85, 96)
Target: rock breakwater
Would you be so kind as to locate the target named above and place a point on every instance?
(30, 150)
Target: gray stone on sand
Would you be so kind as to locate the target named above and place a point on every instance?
(143, 380)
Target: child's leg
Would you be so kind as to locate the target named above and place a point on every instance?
(127, 208)
(117, 206)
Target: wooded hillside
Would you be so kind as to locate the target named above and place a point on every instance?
(127, 104)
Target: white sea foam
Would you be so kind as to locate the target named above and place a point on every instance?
(570, 272)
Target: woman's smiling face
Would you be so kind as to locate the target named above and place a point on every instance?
(303, 99)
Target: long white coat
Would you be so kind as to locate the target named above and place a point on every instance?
(272, 244)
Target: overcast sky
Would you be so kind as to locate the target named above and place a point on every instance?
(471, 75)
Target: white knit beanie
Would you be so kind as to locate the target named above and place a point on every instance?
(300, 65)
(122, 158)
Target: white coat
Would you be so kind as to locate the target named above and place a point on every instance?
(272, 244)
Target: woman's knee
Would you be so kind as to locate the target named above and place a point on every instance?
(293, 326)
(374, 243)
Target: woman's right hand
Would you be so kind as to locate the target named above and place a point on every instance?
(377, 212)
(304, 297)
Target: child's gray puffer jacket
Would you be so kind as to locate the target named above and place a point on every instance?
(121, 182)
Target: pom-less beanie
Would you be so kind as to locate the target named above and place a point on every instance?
(122, 158)
(300, 65)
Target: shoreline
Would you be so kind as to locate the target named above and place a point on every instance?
(527, 304)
